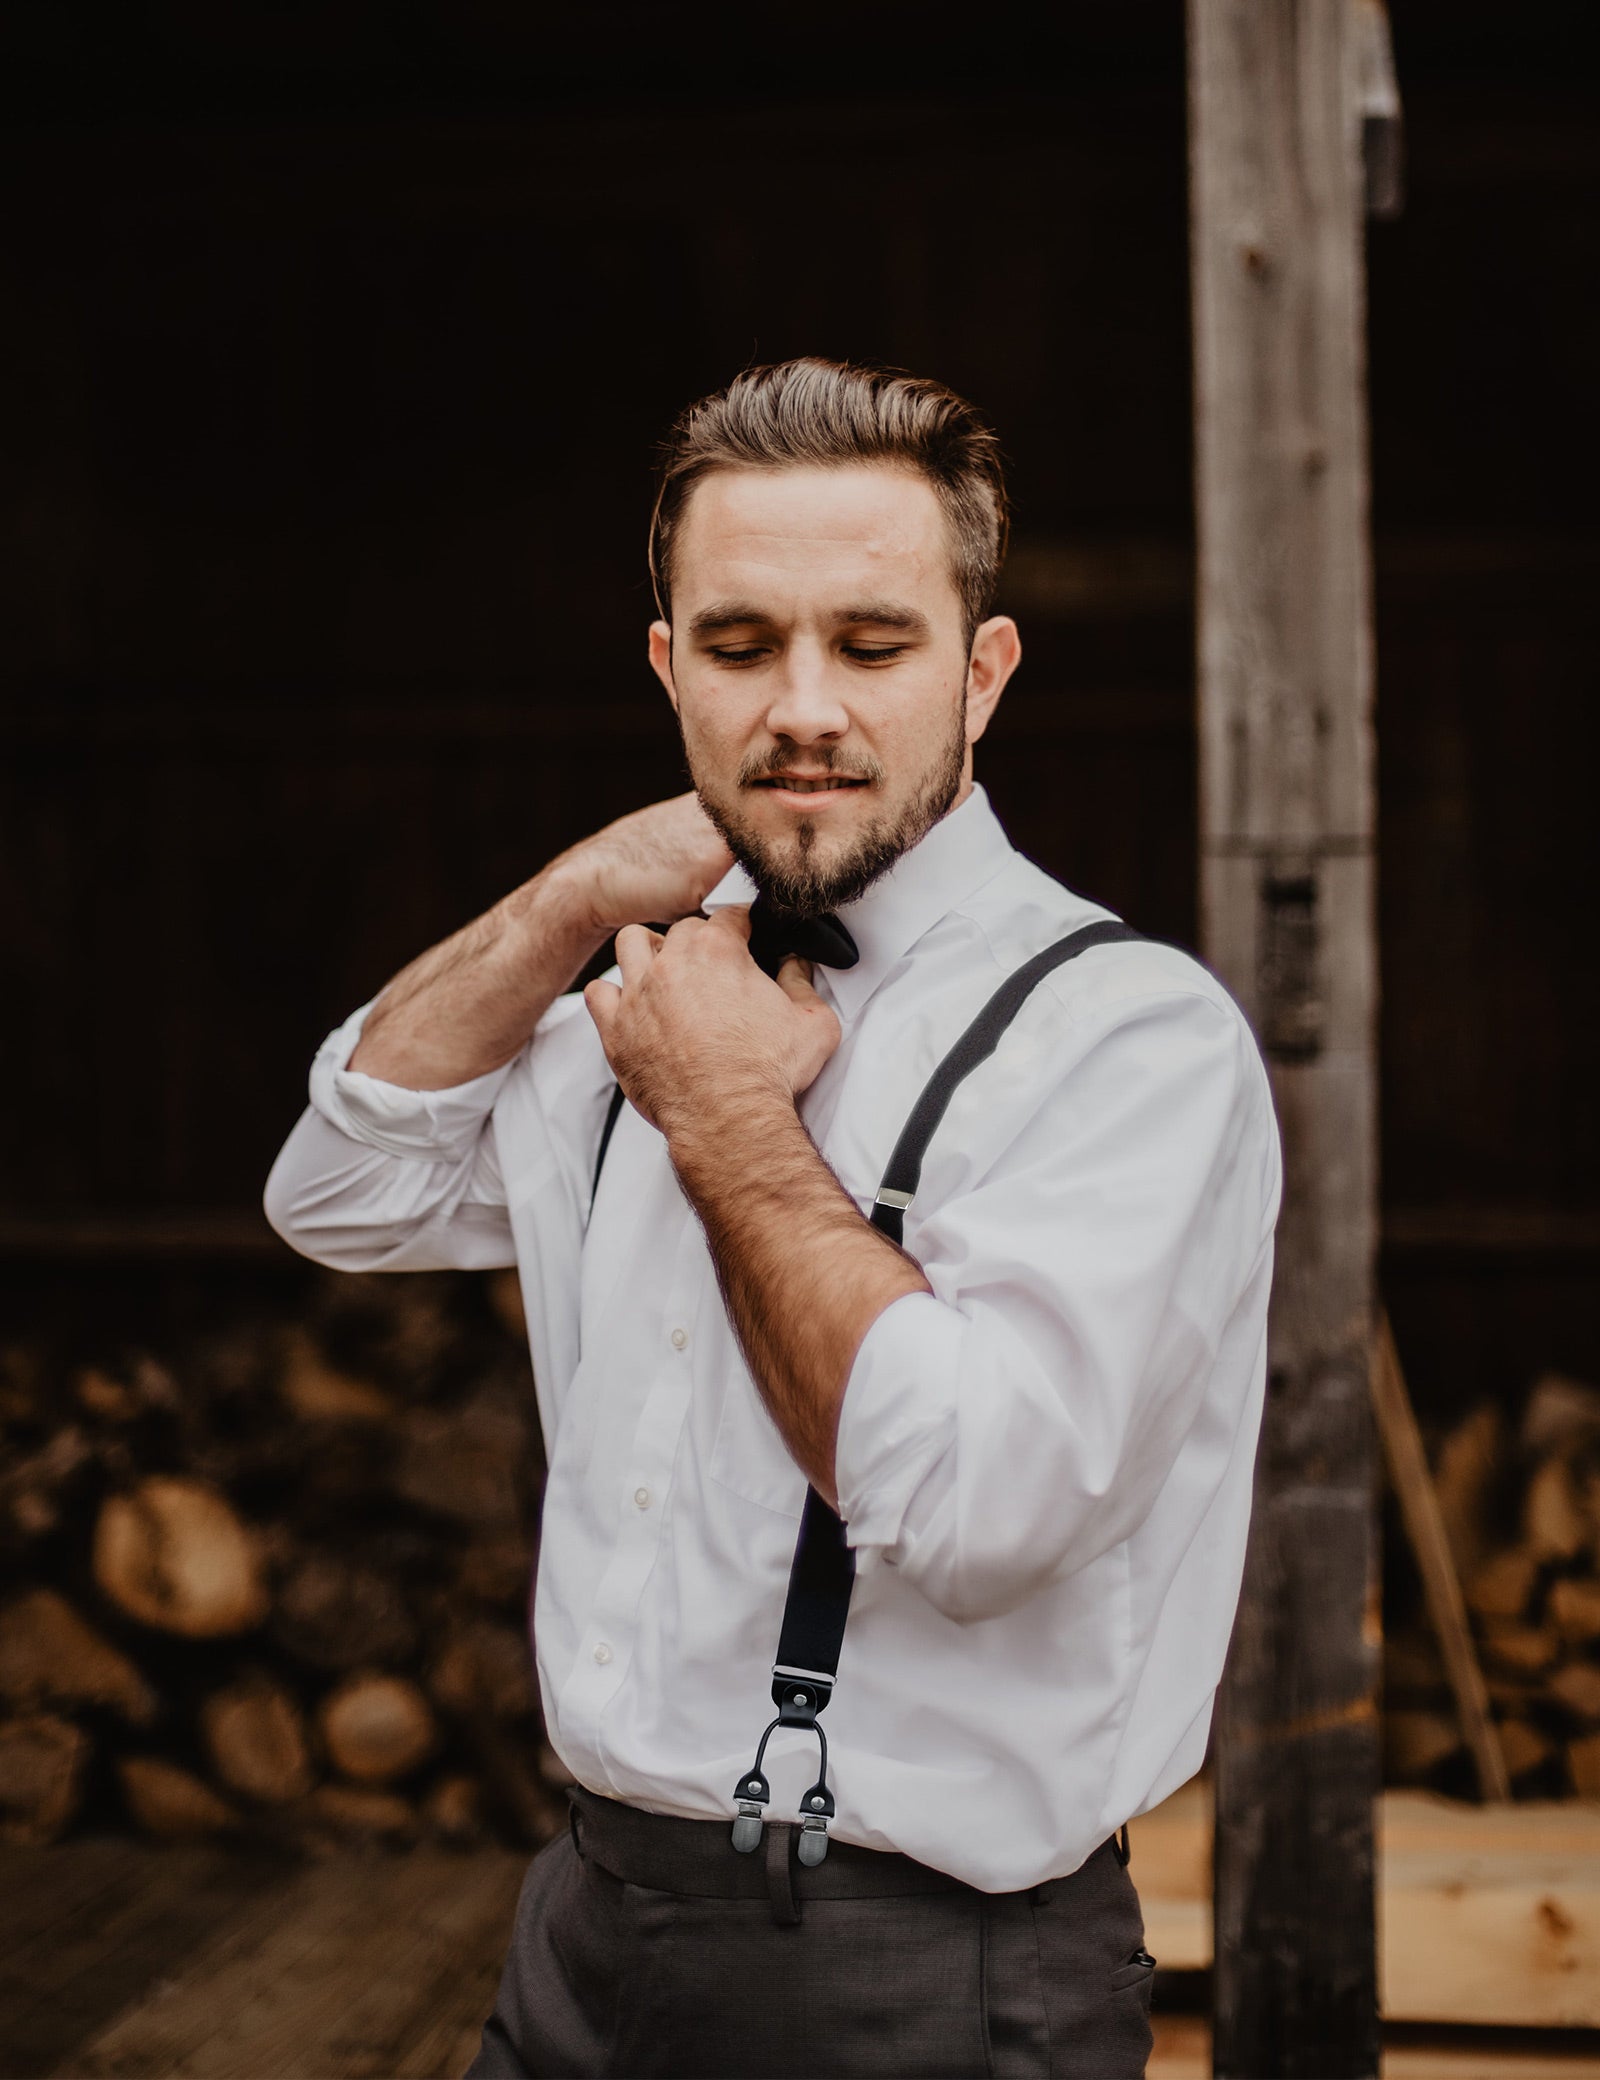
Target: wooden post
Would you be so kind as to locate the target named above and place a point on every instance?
(1286, 820)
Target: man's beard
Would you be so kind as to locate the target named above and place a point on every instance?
(799, 880)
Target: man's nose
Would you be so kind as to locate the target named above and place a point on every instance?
(805, 705)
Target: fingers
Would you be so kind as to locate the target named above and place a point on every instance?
(794, 979)
(733, 920)
(637, 947)
(603, 1000)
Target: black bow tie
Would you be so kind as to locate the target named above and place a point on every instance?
(775, 934)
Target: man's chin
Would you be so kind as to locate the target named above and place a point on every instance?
(810, 873)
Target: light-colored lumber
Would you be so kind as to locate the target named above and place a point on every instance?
(1425, 1527)
(1487, 1914)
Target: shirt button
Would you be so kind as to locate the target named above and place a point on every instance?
(680, 1339)
(602, 1653)
(642, 1497)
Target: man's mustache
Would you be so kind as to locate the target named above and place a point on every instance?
(826, 758)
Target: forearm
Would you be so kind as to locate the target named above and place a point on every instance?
(803, 1276)
(467, 1005)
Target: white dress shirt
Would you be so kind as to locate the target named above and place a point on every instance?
(1044, 1465)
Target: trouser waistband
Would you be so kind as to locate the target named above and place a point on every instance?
(697, 1859)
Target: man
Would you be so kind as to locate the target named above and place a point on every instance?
(1037, 1419)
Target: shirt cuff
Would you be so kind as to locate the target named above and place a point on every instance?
(898, 1416)
(436, 1125)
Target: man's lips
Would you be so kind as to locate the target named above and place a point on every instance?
(810, 783)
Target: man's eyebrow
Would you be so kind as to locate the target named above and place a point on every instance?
(725, 614)
(883, 613)
(718, 618)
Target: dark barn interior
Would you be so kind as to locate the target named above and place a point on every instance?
(336, 346)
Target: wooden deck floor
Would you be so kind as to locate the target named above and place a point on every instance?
(119, 1959)
(210, 1963)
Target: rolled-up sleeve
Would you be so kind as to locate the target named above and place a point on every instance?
(375, 1177)
(1021, 1419)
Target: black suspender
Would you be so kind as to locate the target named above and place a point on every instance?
(606, 1132)
(823, 1572)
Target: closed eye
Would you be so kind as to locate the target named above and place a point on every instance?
(873, 653)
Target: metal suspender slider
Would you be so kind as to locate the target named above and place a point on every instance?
(823, 1572)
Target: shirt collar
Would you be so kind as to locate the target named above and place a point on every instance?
(962, 851)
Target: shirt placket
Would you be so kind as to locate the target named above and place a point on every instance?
(643, 1492)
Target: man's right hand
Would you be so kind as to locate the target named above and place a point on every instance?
(652, 867)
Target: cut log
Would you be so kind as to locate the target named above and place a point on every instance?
(497, 1573)
(1520, 1650)
(1470, 1465)
(1574, 1608)
(485, 1668)
(1576, 1688)
(1524, 1746)
(255, 1736)
(349, 1809)
(318, 1392)
(1441, 1582)
(1415, 1743)
(453, 1809)
(1583, 1765)
(1503, 1587)
(337, 1614)
(174, 1555)
(42, 1760)
(377, 1727)
(523, 1803)
(23, 1393)
(1562, 1416)
(171, 1803)
(1513, 1697)
(1555, 1523)
(464, 1463)
(102, 1395)
(50, 1655)
(32, 1491)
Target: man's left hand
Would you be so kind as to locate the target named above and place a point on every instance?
(696, 1027)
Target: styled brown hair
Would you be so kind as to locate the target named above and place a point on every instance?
(827, 414)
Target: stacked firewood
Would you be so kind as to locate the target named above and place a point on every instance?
(276, 1581)
(1521, 1508)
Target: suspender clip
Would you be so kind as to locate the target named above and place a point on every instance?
(750, 1794)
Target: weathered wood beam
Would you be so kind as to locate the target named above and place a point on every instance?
(1286, 752)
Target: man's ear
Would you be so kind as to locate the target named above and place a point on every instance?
(661, 659)
(996, 653)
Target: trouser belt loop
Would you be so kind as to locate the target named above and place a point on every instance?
(574, 1826)
(780, 1874)
(1123, 1846)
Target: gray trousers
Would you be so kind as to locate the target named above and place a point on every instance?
(647, 1945)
